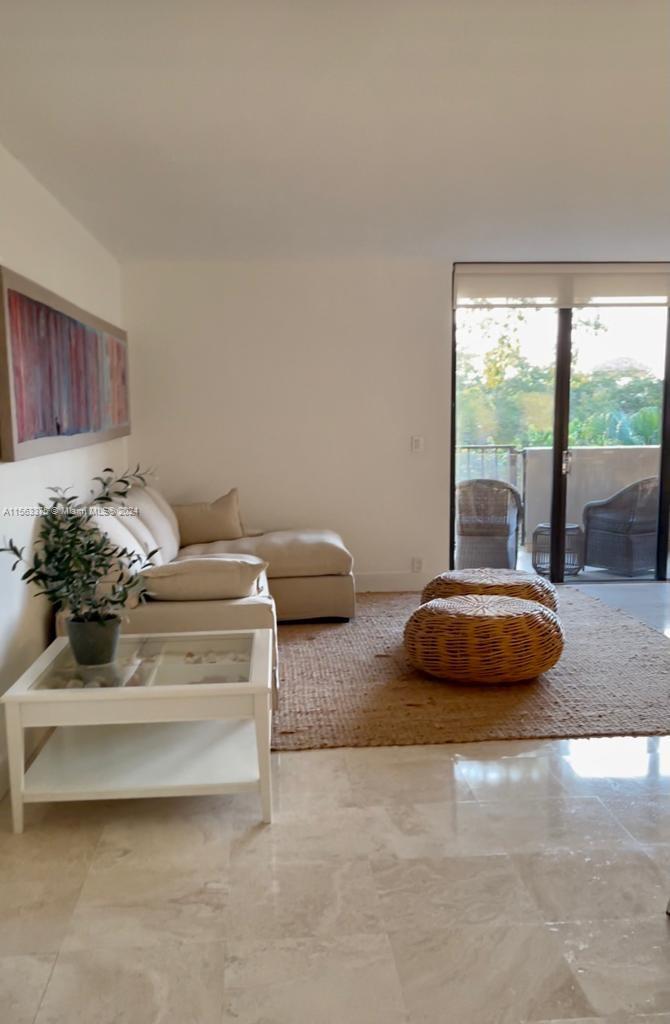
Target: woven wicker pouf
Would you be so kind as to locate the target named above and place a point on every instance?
(483, 638)
(508, 582)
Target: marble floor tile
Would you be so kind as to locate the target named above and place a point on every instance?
(123, 906)
(447, 829)
(495, 750)
(647, 818)
(396, 829)
(379, 756)
(342, 833)
(660, 854)
(435, 893)
(23, 980)
(79, 815)
(310, 781)
(47, 849)
(426, 780)
(655, 1018)
(558, 823)
(647, 601)
(651, 786)
(351, 979)
(598, 884)
(199, 840)
(33, 814)
(605, 788)
(302, 899)
(618, 766)
(233, 809)
(624, 968)
(34, 915)
(501, 883)
(172, 985)
(617, 1018)
(505, 974)
(513, 778)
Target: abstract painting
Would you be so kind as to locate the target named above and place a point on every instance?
(64, 372)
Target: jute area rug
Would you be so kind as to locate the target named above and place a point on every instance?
(349, 684)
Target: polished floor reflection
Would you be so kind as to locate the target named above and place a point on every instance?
(648, 601)
(507, 882)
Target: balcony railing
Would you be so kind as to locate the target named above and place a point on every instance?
(490, 462)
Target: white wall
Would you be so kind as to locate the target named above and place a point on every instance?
(301, 383)
(40, 240)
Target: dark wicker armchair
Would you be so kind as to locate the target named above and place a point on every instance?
(488, 517)
(620, 532)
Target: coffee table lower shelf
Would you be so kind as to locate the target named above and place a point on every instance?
(108, 762)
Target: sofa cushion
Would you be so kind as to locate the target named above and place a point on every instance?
(220, 577)
(158, 517)
(206, 521)
(257, 612)
(131, 520)
(288, 553)
(119, 535)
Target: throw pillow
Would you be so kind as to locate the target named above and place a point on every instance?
(222, 577)
(205, 521)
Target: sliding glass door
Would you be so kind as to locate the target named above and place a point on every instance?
(558, 420)
(505, 383)
(614, 440)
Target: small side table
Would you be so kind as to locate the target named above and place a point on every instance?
(574, 549)
(176, 714)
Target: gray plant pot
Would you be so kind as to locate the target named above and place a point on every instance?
(94, 643)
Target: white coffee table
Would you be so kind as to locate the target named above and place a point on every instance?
(177, 713)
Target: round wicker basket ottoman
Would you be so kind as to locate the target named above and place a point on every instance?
(508, 582)
(483, 639)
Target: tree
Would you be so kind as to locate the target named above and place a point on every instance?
(504, 399)
(646, 425)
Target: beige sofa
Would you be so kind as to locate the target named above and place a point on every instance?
(309, 573)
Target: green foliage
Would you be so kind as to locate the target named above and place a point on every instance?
(646, 425)
(73, 564)
(510, 401)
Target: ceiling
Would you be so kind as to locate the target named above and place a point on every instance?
(201, 129)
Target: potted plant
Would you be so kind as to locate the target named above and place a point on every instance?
(79, 570)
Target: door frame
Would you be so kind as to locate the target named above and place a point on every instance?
(559, 475)
(663, 535)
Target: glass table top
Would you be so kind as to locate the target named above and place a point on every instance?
(156, 661)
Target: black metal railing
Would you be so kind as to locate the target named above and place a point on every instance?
(490, 462)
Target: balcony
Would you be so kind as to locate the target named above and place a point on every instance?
(595, 473)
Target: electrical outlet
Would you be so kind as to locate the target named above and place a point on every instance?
(417, 564)
(416, 443)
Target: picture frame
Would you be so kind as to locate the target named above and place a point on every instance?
(63, 373)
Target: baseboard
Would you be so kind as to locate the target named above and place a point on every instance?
(390, 581)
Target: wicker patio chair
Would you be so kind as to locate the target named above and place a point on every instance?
(488, 518)
(620, 531)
